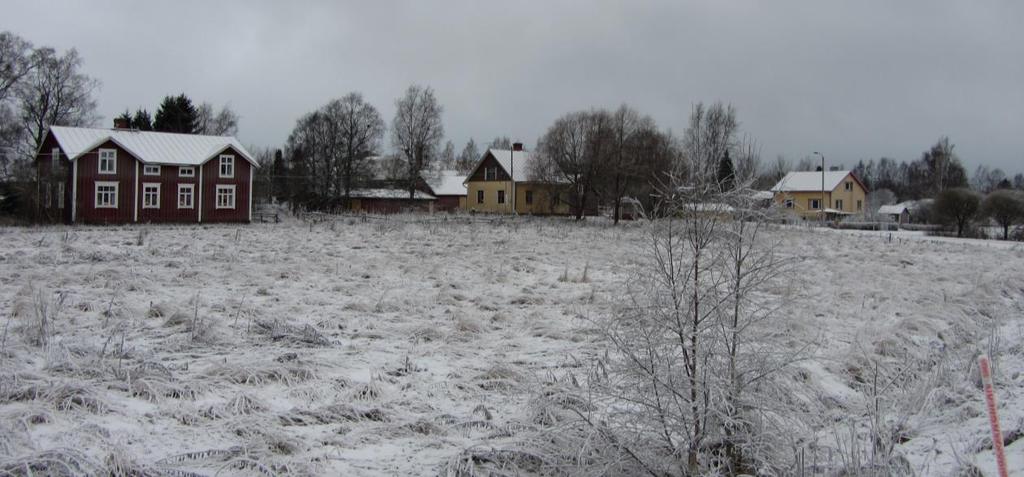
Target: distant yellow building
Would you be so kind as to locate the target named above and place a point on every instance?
(490, 186)
(810, 194)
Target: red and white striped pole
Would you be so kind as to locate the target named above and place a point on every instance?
(993, 416)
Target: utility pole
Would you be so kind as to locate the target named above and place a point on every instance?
(821, 206)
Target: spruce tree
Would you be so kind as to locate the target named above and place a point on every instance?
(726, 173)
(142, 121)
(176, 114)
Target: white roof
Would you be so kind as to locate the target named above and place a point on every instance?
(447, 183)
(805, 181)
(892, 209)
(148, 146)
(762, 195)
(516, 161)
(388, 194)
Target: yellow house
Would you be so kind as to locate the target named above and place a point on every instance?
(490, 187)
(812, 193)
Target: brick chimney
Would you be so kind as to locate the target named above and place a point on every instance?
(121, 123)
(517, 146)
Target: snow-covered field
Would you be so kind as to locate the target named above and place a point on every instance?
(354, 348)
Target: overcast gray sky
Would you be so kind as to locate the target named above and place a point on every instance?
(854, 79)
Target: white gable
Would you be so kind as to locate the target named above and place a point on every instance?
(149, 147)
(516, 161)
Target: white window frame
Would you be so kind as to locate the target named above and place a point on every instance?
(849, 185)
(60, 195)
(839, 204)
(500, 196)
(789, 203)
(145, 192)
(113, 195)
(150, 170)
(112, 159)
(479, 197)
(811, 204)
(229, 161)
(490, 173)
(186, 171)
(217, 196)
(191, 188)
(54, 159)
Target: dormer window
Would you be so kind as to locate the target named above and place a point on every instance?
(227, 166)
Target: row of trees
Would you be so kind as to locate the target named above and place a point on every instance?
(604, 156)
(341, 146)
(177, 114)
(961, 208)
(938, 169)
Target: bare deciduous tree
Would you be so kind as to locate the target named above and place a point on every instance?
(16, 62)
(689, 364)
(223, 123)
(570, 152)
(711, 132)
(54, 93)
(336, 143)
(448, 161)
(416, 132)
(468, 157)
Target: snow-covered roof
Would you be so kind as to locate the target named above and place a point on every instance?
(148, 146)
(762, 195)
(516, 161)
(805, 181)
(892, 209)
(447, 183)
(389, 194)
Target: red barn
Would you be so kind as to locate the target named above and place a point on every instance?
(118, 176)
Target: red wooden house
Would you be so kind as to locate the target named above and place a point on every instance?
(118, 176)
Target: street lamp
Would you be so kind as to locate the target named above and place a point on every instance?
(821, 206)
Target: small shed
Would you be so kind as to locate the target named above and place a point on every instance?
(390, 201)
(449, 187)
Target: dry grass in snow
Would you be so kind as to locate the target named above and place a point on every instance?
(412, 349)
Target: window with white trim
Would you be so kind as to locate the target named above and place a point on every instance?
(501, 197)
(479, 197)
(814, 204)
(106, 195)
(55, 159)
(789, 203)
(839, 204)
(225, 197)
(227, 166)
(108, 161)
(186, 171)
(849, 185)
(60, 195)
(185, 194)
(149, 170)
(490, 173)
(150, 195)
